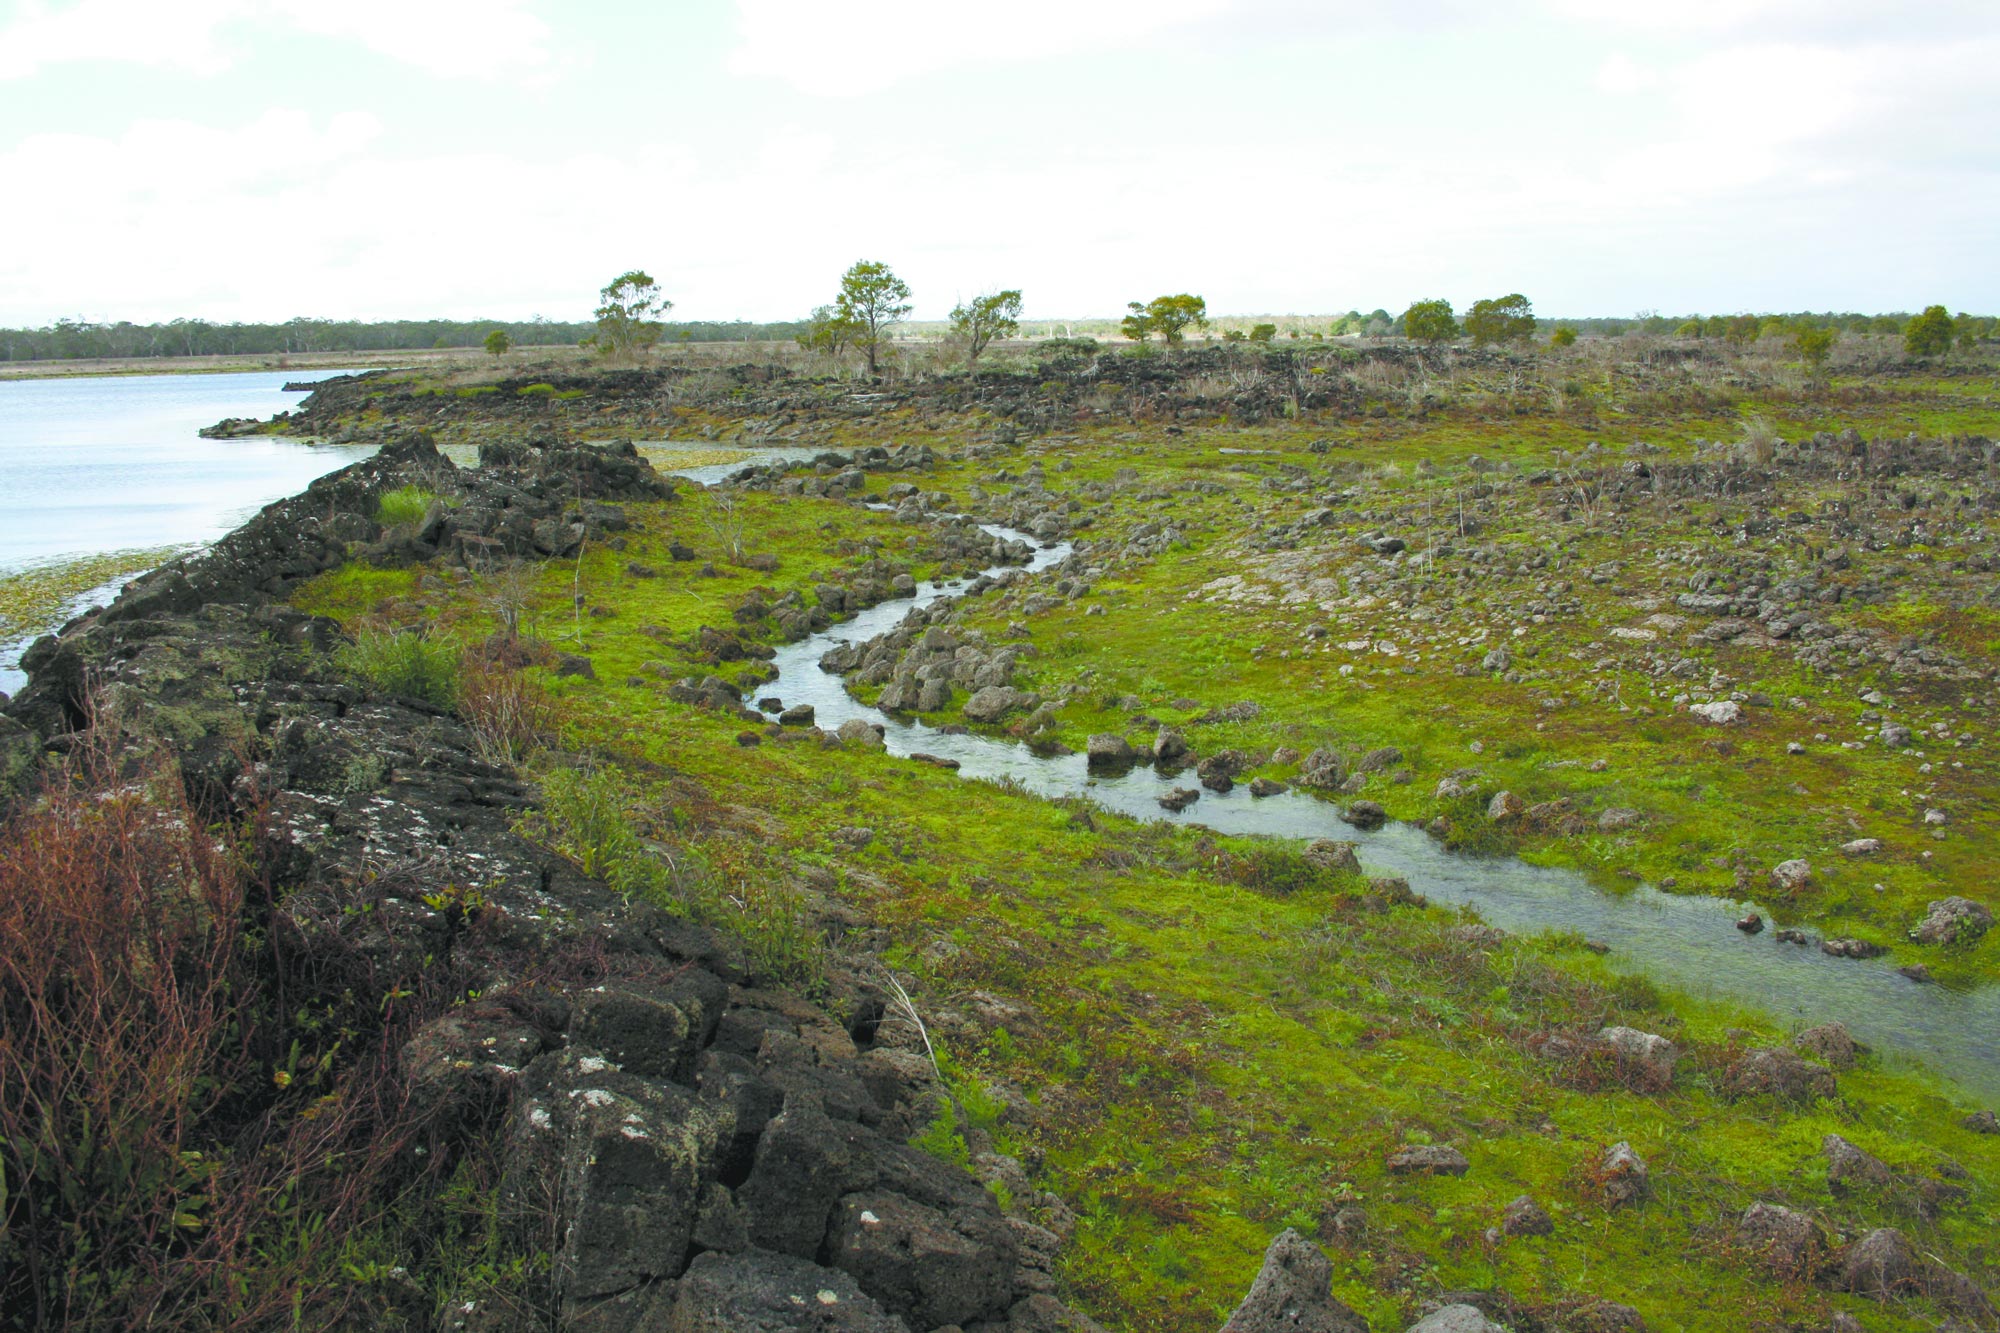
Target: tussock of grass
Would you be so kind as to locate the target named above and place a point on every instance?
(404, 506)
(414, 665)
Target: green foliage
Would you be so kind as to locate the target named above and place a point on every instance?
(404, 507)
(983, 319)
(411, 664)
(827, 331)
(1263, 333)
(1506, 319)
(1814, 345)
(942, 1139)
(1742, 330)
(628, 315)
(1430, 322)
(497, 342)
(1563, 337)
(1168, 316)
(872, 301)
(1930, 334)
(583, 817)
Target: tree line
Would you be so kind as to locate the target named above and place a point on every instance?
(78, 339)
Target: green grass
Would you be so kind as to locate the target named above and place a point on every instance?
(413, 665)
(404, 506)
(1215, 1044)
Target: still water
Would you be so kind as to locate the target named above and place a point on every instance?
(90, 465)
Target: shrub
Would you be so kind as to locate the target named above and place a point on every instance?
(404, 507)
(510, 715)
(1930, 334)
(413, 665)
(1563, 337)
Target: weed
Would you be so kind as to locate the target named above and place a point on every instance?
(411, 664)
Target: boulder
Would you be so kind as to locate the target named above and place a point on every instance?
(1831, 1042)
(933, 1265)
(994, 702)
(1953, 920)
(1721, 713)
(1617, 819)
(1365, 815)
(1169, 746)
(1328, 854)
(1293, 1293)
(1861, 847)
(860, 734)
(1428, 1159)
(1456, 1319)
(1775, 1072)
(798, 715)
(1648, 1053)
(1525, 1217)
(1880, 1264)
(760, 1292)
(1982, 1122)
(1849, 1168)
(1623, 1177)
(1784, 1241)
(804, 1163)
(1505, 806)
(1107, 750)
(1792, 876)
(1323, 769)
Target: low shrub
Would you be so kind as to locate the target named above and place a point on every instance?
(404, 507)
(413, 665)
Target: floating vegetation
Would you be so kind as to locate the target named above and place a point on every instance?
(35, 599)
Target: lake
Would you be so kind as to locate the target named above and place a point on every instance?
(95, 465)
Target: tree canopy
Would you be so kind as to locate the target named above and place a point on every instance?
(1509, 318)
(872, 301)
(628, 314)
(497, 342)
(1430, 322)
(981, 320)
(1931, 333)
(1168, 316)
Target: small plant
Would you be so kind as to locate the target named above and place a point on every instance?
(413, 665)
(404, 507)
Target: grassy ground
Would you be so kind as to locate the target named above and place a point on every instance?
(1202, 1042)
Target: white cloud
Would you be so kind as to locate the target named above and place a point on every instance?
(179, 36)
(451, 38)
(1621, 74)
(836, 49)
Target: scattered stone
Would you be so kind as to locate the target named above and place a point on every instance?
(1504, 806)
(1918, 973)
(760, 1292)
(1456, 1319)
(1792, 876)
(1982, 1122)
(1648, 1052)
(569, 664)
(1107, 750)
(1751, 924)
(1881, 1264)
(1623, 1177)
(1180, 798)
(1267, 787)
(1327, 854)
(1365, 815)
(994, 702)
(1851, 948)
(1848, 1167)
(798, 715)
(1831, 1042)
(1721, 713)
(1782, 1240)
(1953, 920)
(857, 732)
(1525, 1217)
(1428, 1159)
(1617, 819)
(1293, 1293)
(1861, 847)
(1774, 1072)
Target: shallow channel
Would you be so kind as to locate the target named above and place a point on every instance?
(1685, 941)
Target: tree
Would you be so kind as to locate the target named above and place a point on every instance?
(1168, 316)
(1930, 334)
(1508, 319)
(1430, 322)
(1563, 337)
(1814, 345)
(984, 318)
(1263, 333)
(828, 331)
(497, 342)
(1742, 330)
(872, 301)
(628, 315)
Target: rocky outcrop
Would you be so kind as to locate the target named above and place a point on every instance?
(707, 1152)
(1293, 1294)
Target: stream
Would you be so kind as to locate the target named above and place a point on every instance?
(1685, 941)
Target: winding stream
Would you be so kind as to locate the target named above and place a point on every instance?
(1686, 941)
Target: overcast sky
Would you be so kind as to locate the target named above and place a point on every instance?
(259, 159)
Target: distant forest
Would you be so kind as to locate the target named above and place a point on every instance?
(74, 340)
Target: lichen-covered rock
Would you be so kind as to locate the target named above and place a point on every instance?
(1456, 1319)
(1773, 1072)
(1329, 854)
(1428, 1159)
(761, 1292)
(1293, 1293)
(1953, 920)
(1831, 1042)
(1784, 1241)
(1849, 1168)
(1525, 1217)
(1623, 1177)
(1649, 1054)
(1881, 1264)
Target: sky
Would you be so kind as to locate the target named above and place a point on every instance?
(262, 159)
